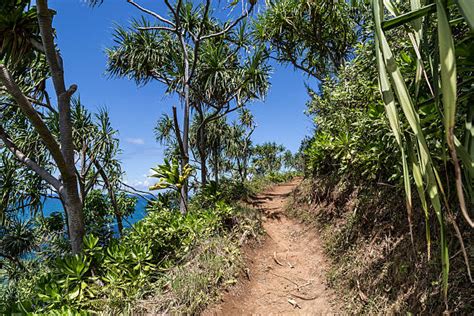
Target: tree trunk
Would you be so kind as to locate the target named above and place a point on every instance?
(112, 196)
(117, 213)
(75, 217)
(65, 161)
(202, 154)
(118, 217)
(185, 150)
(240, 169)
(245, 161)
(216, 165)
(245, 171)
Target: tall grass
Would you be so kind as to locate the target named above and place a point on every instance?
(438, 68)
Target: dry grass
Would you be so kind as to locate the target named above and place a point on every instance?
(211, 265)
(188, 288)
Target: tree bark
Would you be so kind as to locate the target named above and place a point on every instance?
(75, 216)
(202, 155)
(70, 194)
(216, 164)
(185, 152)
(201, 140)
(184, 159)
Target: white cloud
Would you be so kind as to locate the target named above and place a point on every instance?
(135, 141)
(141, 184)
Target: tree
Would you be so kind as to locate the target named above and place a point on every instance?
(267, 158)
(62, 150)
(239, 144)
(97, 147)
(229, 80)
(169, 52)
(316, 37)
(288, 160)
(45, 139)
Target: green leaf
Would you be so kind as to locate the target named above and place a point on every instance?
(467, 9)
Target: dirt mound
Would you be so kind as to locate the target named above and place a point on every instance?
(285, 274)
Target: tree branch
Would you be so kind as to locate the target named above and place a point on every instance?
(45, 175)
(177, 130)
(55, 64)
(45, 105)
(32, 116)
(230, 26)
(197, 40)
(159, 28)
(174, 12)
(154, 14)
(45, 24)
(138, 192)
(37, 45)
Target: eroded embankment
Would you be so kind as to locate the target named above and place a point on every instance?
(374, 267)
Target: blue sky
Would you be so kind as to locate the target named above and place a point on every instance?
(84, 33)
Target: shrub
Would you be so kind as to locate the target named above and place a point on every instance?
(158, 248)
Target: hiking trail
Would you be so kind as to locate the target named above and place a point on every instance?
(286, 272)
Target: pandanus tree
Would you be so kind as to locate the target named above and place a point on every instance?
(168, 50)
(316, 37)
(47, 148)
(97, 147)
(267, 158)
(230, 79)
(239, 144)
(62, 149)
(218, 132)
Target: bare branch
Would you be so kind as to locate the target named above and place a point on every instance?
(46, 29)
(159, 28)
(32, 116)
(152, 13)
(45, 175)
(230, 26)
(138, 192)
(45, 105)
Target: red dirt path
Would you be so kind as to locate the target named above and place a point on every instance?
(286, 272)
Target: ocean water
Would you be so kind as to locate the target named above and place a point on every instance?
(52, 205)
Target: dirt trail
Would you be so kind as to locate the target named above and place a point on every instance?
(286, 272)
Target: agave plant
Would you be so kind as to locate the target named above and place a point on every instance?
(443, 81)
